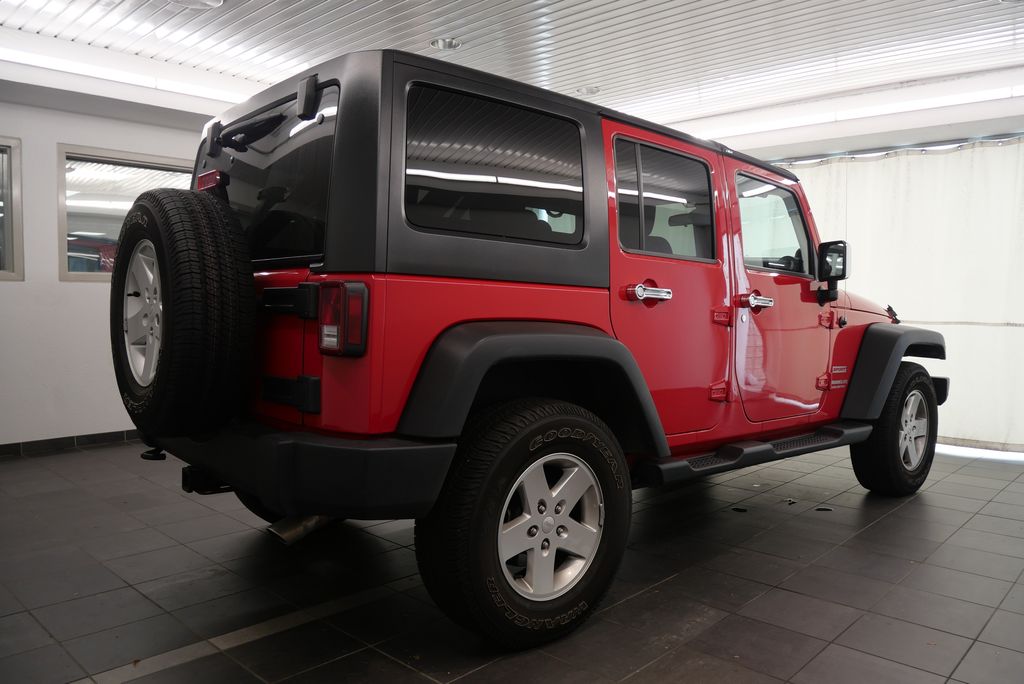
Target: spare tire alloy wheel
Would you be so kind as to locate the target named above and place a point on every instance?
(142, 313)
(182, 310)
(532, 522)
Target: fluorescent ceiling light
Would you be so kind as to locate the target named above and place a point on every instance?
(759, 190)
(505, 180)
(87, 233)
(540, 184)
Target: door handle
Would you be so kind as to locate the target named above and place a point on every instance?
(641, 292)
(756, 301)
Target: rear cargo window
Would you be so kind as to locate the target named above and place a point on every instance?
(280, 172)
(486, 168)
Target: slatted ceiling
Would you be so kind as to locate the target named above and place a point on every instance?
(96, 180)
(667, 60)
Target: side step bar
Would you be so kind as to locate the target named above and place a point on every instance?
(743, 454)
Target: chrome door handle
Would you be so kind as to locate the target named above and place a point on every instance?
(756, 301)
(640, 292)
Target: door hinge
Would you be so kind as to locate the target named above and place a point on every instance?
(719, 391)
(824, 381)
(722, 315)
(827, 319)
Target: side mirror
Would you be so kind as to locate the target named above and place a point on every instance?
(833, 261)
(833, 266)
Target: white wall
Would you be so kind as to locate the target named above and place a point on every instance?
(939, 235)
(56, 377)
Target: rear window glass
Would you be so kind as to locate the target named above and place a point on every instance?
(483, 167)
(280, 173)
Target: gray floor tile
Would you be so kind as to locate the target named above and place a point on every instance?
(8, 603)
(444, 651)
(688, 666)
(989, 523)
(978, 562)
(956, 503)
(609, 649)
(121, 645)
(55, 585)
(19, 633)
(1014, 600)
(235, 611)
(388, 617)
(214, 669)
(664, 616)
(712, 587)
(958, 584)
(1005, 629)
(367, 665)
(195, 529)
(936, 611)
(837, 586)
(804, 614)
(150, 565)
(192, 587)
(907, 643)
(95, 613)
(126, 543)
(840, 665)
(294, 650)
(1004, 510)
(47, 665)
(758, 646)
(986, 664)
(754, 565)
(868, 564)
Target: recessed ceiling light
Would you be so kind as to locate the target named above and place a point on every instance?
(588, 90)
(198, 4)
(1012, 2)
(446, 43)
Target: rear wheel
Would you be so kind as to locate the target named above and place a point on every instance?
(897, 457)
(531, 524)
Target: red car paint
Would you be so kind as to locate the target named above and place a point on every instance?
(718, 371)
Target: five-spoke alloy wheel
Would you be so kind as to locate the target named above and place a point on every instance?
(896, 459)
(531, 524)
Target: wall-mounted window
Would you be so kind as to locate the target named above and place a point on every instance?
(483, 167)
(96, 190)
(11, 265)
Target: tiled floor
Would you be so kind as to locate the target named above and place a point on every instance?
(787, 572)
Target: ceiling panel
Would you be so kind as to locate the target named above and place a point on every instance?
(666, 60)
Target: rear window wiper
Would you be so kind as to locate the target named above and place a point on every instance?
(240, 136)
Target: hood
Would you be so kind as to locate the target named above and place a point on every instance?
(851, 300)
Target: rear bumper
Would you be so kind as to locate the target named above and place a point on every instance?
(300, 473)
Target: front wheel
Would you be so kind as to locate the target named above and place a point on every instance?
(896, 459)
(531, 524)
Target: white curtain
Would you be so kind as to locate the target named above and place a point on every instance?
(939, 235)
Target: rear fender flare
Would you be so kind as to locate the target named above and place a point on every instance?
(461, 356)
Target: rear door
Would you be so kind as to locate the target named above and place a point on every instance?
(667, 236)
(275, 173)
(782, 346)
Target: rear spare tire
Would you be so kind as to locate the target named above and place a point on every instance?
(181, 313)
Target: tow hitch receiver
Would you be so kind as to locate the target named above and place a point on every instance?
(201, 481)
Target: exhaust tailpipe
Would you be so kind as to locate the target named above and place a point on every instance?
(290, 530)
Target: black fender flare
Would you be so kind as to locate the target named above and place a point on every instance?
(460, 357)
(881, 352)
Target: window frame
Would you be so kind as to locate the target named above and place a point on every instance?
(103, 156)
(811, 247)
(637, 142)
(17, 272)
(512, 104)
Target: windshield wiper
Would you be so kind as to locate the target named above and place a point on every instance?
(239, 137)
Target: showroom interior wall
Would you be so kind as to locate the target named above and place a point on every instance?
(56, 374)
(937, 233)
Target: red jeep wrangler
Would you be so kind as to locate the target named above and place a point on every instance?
(405, 289)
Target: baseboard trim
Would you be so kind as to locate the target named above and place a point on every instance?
(41, 447)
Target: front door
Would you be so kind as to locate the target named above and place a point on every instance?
(781, 345)
(669, 266)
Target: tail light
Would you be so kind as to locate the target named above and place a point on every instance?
(211, 179)
(343, 318)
